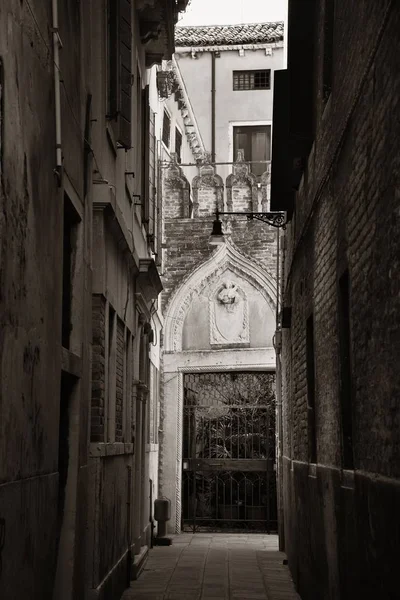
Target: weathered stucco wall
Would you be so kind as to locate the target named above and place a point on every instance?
(42, 497)
(230, 106)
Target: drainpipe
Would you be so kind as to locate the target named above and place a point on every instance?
(212, 106)
(57, 99)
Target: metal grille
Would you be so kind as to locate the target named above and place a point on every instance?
(252, 80)
(228, 452)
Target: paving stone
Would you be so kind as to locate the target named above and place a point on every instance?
(215, 567)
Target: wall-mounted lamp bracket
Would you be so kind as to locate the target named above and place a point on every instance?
(276, 219)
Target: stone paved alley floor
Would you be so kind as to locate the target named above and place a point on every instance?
(215, 567)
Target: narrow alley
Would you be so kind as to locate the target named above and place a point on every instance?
(199, 299)
(215, 566)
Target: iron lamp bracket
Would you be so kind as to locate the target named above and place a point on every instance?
(276, 219)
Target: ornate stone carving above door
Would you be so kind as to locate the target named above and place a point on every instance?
(226, 263)
(229, 318)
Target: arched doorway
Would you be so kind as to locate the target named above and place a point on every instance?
(220, 321)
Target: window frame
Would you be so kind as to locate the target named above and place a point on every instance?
(233, 124)
(249, 73)
(178, 131)
(168, 114)
(119, 79)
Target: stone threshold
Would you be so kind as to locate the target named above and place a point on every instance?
(139, 562)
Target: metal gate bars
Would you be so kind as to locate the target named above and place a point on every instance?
(228, 453)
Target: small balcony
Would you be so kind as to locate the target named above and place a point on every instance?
(157, 20)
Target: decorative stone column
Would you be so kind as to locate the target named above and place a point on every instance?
(177, 203)
(208, 190)
(241, 187)
(266, 189)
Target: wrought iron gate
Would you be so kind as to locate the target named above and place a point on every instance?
(228, 455)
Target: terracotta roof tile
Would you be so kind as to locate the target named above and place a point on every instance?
(225, 35)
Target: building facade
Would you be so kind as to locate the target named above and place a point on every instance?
(336, 172)
(45, 310)
(233, 66)
(80, 332)
(215, 299)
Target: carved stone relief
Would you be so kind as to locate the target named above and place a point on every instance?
(225, 258)
(229, 318)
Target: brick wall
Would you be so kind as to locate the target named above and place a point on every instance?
(338, 527)
(98, 368)
(242, 199)
(186, 240)
(186, 243)
(207, 192)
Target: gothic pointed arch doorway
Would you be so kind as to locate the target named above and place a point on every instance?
(218, 335)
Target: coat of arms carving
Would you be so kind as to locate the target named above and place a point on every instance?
(229, 321)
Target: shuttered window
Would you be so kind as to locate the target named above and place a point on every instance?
(145, 124)
(152, 184)
(119, 47)
(282, 194)
(166, 130)
(178, 145)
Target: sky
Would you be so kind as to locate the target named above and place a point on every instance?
(230, 12)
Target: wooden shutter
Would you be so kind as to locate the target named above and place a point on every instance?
(113, 62)
(125, 72)
(145, 118)
(281, 192)
(152, 181)
(301, 69)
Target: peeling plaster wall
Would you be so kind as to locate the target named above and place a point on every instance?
(42, 516)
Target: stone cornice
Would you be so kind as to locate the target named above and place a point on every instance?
(192, 131)
(193, 49)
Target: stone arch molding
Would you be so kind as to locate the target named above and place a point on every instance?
(226, 257)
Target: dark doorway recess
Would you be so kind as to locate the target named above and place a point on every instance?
(228, 454)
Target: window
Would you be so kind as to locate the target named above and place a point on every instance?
(166, 130)
(178, 145)
(119, 70)
(255, 141)
(70, 233)
(310, 364)
(154, 395)
(111, 375)
(345, 372)
(144, 177)
(252, 80)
